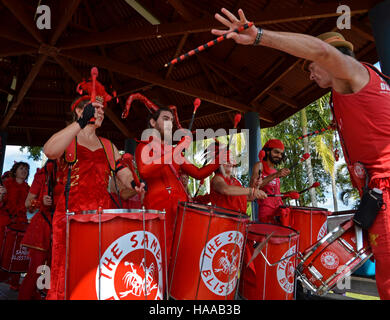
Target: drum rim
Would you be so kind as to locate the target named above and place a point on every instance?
(237, 214)
(305, 208)
(121, 211)
(297, 233)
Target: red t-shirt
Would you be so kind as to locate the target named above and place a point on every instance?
(236, 203)
(363, 120)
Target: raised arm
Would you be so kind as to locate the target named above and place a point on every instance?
(299, 45)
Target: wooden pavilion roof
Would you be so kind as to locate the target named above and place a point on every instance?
(131, 51)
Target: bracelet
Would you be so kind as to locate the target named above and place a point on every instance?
(258, 36)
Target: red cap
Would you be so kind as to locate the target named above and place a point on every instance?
(274, 143)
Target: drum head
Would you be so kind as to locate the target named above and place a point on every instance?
(279, 233)
(206, 210)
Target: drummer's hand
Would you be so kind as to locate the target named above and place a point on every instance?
(258, 182)
(3, 190)
(283, 172)
(47, 201)
(141, 189)
(260, 194)
(246, 37)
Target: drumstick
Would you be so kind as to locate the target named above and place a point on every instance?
(94, 75)
(291, 194)
(305, 156)
(207, 45)
(314, 185)
(197, 102)
(330, 127)
(259, 248)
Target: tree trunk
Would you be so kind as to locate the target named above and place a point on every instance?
(334, 193)
(308, 161)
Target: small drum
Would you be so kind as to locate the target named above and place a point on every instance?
(311, 223)
(14, 257)
(333, 258)
(271, 274)
(115, 254)
(206, 252)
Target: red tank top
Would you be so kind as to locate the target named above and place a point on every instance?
(268, 206)
(363, 120)
(236, 203)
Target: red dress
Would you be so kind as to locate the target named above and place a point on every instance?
(268, 207)
(235, 203)
(88, 191)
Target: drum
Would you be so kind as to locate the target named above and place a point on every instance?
(115, 254)
(206, 252)
(311, 223)
(271, 274)
(14, 257)
(333, 258)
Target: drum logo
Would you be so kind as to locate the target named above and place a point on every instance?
(131, 269)
(286, 271)
(219, 262)
(323, 230)
(329, 260)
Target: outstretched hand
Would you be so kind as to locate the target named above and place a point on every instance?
(246, 37)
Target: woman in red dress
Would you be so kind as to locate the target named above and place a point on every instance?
(89, 176)
(12, 195)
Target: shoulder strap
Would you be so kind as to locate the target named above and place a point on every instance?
(108, 148)
(382, 75)
(71, 152)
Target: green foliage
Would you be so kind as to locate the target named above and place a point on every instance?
(35, 153)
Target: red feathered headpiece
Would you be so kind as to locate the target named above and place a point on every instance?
(92, 90)
(152, 107)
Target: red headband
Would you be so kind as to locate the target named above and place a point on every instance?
(274, 143)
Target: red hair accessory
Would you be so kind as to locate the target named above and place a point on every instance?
(261, 155)
(152, 107)
(274, 143)
(92, 90)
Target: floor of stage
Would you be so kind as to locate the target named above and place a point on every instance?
(362, 288)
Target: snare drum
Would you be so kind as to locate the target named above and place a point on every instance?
(115, 254)
(14, 257)
(206, 252)
(271, 274)
(331, 259)
(311, 223)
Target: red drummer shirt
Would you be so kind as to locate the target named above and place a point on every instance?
(268, 206)
(363, 120)
(236, 203)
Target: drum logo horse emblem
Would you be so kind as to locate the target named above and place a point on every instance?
(219, 262)
(286, 271)
(131, 269)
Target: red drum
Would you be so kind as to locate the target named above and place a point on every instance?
(14, 257)
(333, 258)
(311, 223)
(206, 252)
(115, 254)
(271, 274)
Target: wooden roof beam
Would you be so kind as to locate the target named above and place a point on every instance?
(143, 75)
(127, 32)
(24, 13)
